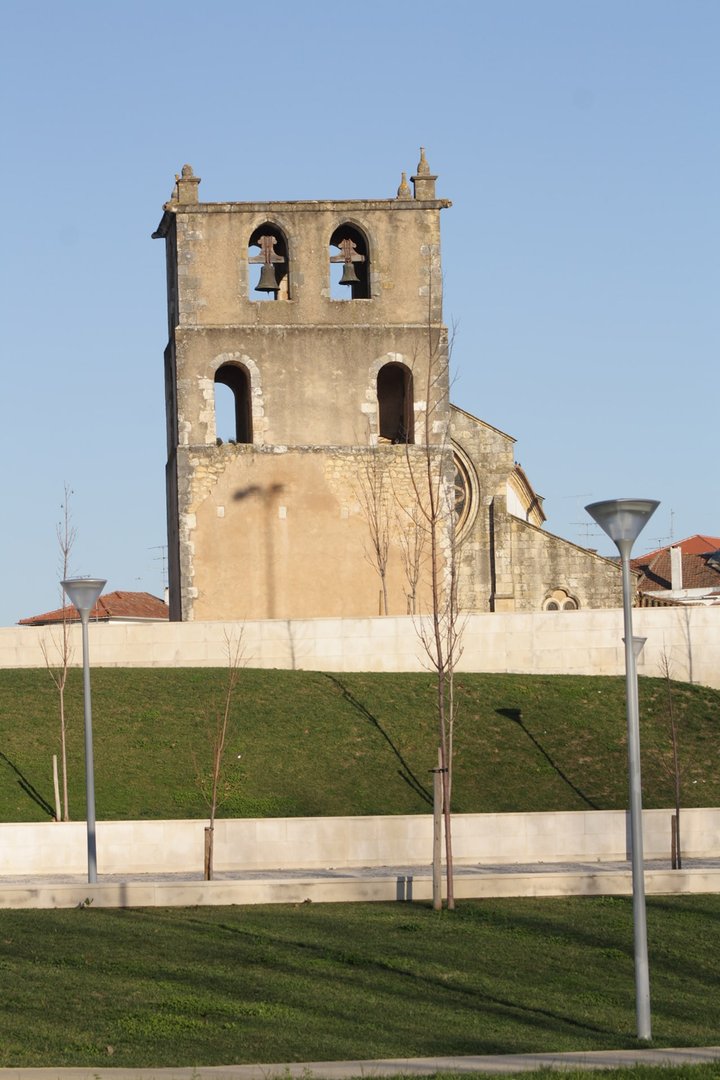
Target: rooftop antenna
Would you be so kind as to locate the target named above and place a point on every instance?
(589, 527)
(589, 530)
(162, 557)
(667, 541)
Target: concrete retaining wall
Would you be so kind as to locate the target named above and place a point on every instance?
(573, 643)
(333, 889)
(154, 847)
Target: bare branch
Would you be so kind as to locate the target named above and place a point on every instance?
(62, 645)
(374, 497)
(218, 731)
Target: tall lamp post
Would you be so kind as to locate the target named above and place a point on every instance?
(83, 594)
(623, 520)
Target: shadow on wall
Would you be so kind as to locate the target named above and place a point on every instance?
(267, 495)
(516, 716)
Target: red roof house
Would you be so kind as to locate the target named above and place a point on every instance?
(684, 573)
(117, 606)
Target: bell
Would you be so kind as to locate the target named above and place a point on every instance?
(268, 281)
(349, 277)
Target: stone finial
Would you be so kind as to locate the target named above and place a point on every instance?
(403, 192)
(423, 181)
(187, 185)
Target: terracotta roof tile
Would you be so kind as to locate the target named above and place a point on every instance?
(691, 545)
(114, 605)
(699, 570)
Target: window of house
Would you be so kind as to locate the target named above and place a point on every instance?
(349, 264)
(395, 404)
(268, 264)
(233, 408)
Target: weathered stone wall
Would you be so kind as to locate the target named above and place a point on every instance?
(485, 561)
(276, 527)
(279, 527)
(286, 532)
(543, 563)
(507, 564)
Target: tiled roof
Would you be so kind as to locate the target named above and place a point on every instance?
(691, 545)
(700, 569)
(114, 605)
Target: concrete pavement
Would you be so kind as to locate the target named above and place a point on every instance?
(335, 885)
(489, 1064)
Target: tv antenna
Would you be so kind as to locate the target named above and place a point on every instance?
(161, 558)
(667, 541)
(588, 525)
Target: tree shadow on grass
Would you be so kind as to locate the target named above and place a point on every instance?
(516, 716)
(28, 788)
(404, 772)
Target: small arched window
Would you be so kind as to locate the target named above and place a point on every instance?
(395, 404)
(560, 600)
(268, 250)
(349, 264)
(233, 406)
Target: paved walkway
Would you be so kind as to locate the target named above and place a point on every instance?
(370, 872)
(345, 885)
(490, 1064)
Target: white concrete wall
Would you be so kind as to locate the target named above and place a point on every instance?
(139, 847)
(575, 642)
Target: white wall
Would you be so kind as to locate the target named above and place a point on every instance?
(136, 847)
(574, 642)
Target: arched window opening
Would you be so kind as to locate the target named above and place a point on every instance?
(560, 600)
(268, 249)
(349, 265)
(395, 404)
(233, 408)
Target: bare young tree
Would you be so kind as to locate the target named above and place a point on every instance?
(412, 542)
(59, 664)
(432, 476)
(374, 496)
(219, 724)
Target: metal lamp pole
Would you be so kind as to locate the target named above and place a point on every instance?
(623, 521)
(83, 594)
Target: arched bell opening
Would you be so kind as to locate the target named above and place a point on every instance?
(349, 264)
(268, 251)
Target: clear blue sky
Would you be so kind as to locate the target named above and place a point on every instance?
(578, 140)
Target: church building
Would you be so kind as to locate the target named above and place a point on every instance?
(314, 329)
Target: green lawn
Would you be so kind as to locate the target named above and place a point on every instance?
(321, 982)
(348, 744)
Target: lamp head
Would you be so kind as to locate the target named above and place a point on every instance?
(83, 593)
(623, 519)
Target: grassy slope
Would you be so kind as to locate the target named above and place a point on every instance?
(348, 744)
(308, 982)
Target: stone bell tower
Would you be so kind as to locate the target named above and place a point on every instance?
(321, 323)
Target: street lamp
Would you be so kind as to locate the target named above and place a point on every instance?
(83, 594)
(623, 520)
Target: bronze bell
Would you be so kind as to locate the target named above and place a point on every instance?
(268, 281)
(349, 277)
